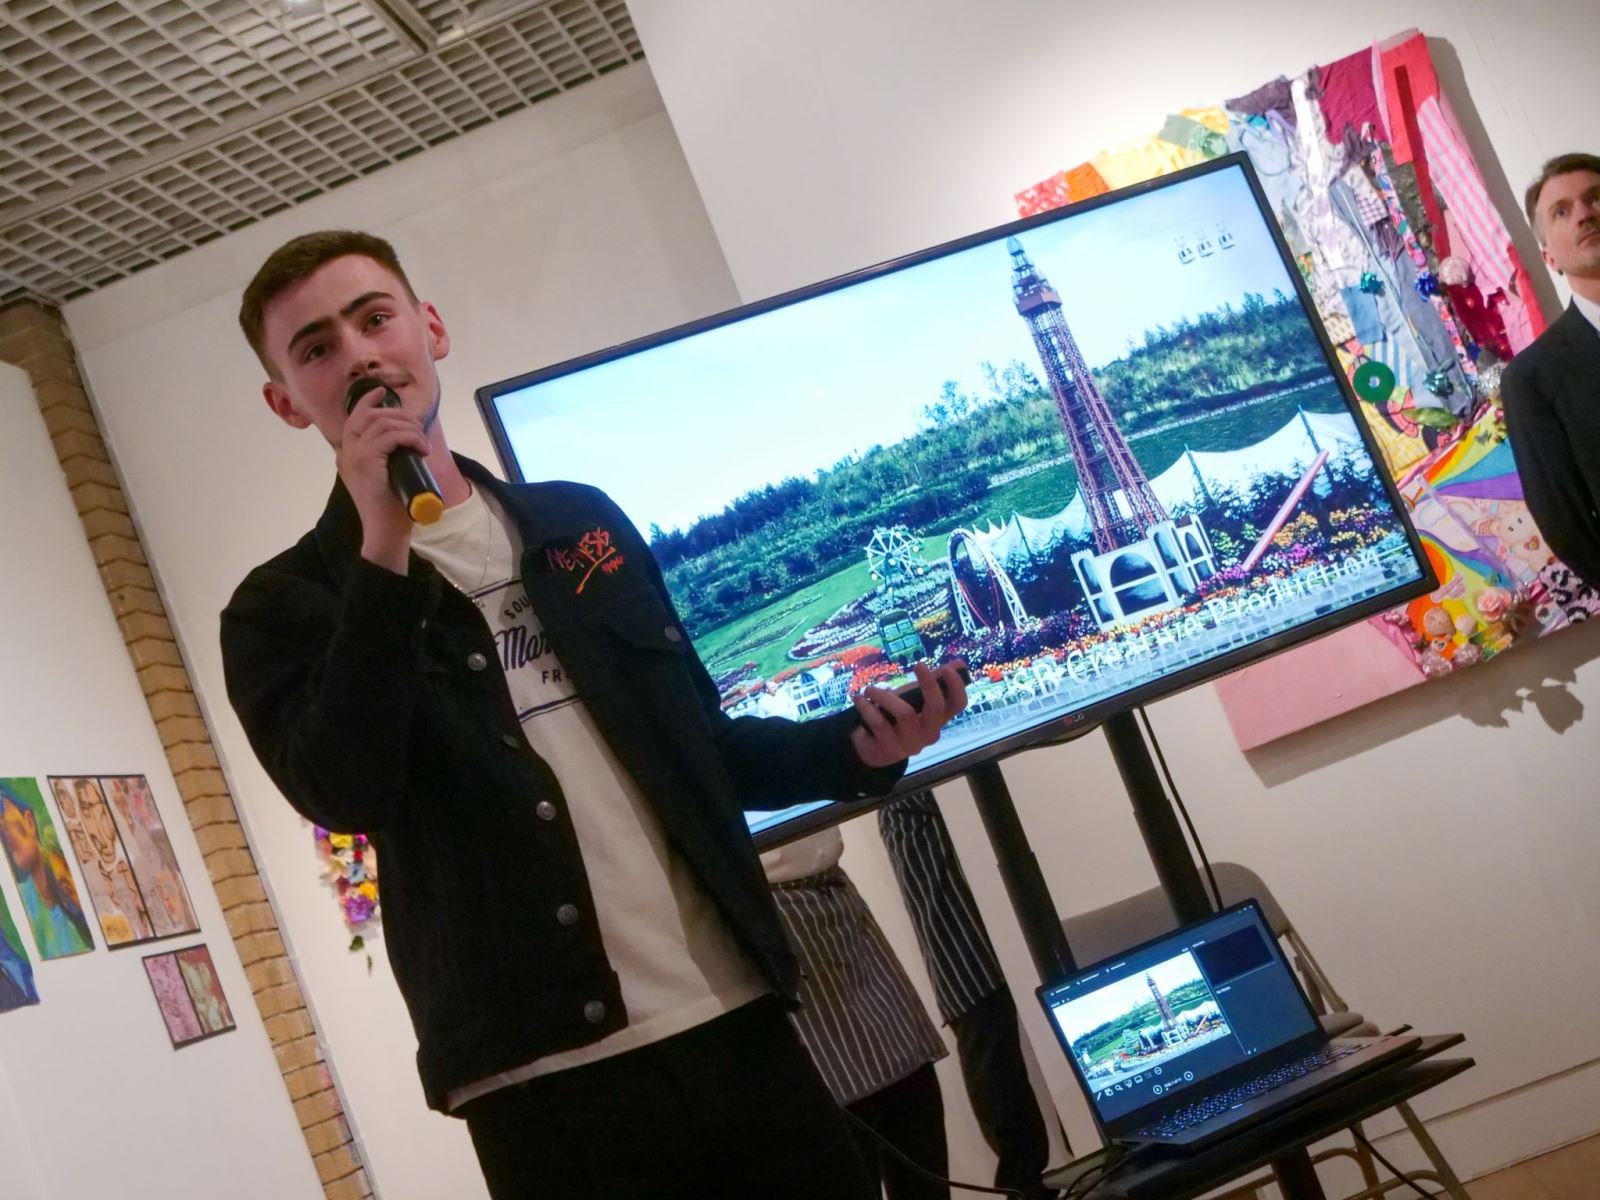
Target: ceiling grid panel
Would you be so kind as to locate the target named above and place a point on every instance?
(136, 130)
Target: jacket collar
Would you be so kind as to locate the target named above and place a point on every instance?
(1573, 343)
(338, 530)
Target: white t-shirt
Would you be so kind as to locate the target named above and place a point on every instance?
(805, 856)
(677, 960)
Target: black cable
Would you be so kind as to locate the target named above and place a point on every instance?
(1393, 1170)
(1096, 1173)
(918, 1167)
(1149, 732)
(1097, 1176)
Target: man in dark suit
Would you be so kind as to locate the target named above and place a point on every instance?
(1552, 389)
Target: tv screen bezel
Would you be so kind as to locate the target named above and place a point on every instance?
(1069, 725)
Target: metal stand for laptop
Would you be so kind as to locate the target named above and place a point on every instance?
(1169, 852)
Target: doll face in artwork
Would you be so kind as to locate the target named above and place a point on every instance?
(1436, 622)
(1438, 629)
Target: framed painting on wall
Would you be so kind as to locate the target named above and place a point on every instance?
(172, 997)
(189, 994)
(107, 873)
(45, 885)
(149, 850)
(205, 990)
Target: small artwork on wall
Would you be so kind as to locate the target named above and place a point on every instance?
(16, 972)
(155, 867)
(172, 997)
(205, 989)
(189, 994)
(45, 885)
(107, 873)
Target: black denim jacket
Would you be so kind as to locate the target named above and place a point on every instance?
(364, 696)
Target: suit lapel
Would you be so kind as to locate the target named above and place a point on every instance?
(1576, 368)
(1582, 338)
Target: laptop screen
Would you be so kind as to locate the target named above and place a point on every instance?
(1166, 1017)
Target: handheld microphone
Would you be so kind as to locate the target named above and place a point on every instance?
(408, 473)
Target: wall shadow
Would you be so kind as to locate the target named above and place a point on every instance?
(1533, 678)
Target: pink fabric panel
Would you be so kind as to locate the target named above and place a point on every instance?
(1347, 94)
(1483, 234)
(1349, 668)
(1412, 54)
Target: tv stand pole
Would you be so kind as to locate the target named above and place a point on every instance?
(1019, 869)
(1169, 853)
(1152, 809)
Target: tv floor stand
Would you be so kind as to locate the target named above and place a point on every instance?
(1169, 853)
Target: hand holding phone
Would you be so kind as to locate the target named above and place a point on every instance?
(894, 725)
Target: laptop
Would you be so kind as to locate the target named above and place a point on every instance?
(1186, 1038)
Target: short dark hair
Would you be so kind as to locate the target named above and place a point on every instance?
(1561, 164)
(294, 261)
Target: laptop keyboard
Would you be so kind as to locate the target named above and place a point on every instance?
(1220, 1102)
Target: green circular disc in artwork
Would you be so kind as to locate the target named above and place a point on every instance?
(1373, 382)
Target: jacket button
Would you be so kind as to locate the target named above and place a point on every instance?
(545, 811)
(671, 634)
(567, 914)
(511, 739)
(476, 661)
(594, 1012)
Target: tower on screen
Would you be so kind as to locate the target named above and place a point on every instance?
(1142, 562)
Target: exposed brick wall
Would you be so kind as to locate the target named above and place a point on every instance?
(34, 338)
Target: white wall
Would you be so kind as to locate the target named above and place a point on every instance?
(559, 230)
(1437, 847)
(827, 135)
(94, 1101)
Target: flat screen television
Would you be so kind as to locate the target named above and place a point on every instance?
(1101, 454)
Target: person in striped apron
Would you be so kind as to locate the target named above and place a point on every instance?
(860, 1017)
(970, 989)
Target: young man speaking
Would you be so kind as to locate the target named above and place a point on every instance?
(506, 703)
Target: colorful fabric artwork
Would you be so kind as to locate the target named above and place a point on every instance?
(1411, 57)
(1083, 181)
(1409, 265)
(1064, 187)
(1043, 196)
(1204, 138)
(1141, 159)
(1348, 94)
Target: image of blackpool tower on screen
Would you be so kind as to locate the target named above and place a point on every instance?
(1142, 560)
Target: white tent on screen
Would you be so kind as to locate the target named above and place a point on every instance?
(1188, 481)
